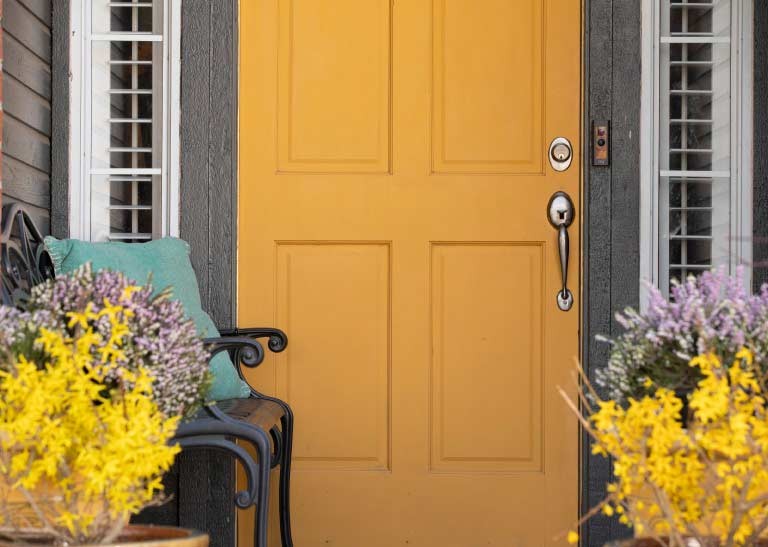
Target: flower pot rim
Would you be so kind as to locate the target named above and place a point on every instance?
(134, 534)
(146, 534)
(645, 541)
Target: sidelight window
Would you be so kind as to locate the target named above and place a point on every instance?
(697, 145)
(124, 184)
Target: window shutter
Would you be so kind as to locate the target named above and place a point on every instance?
(696, 129)
(124, 103)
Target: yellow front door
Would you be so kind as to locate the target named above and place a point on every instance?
(394, 180)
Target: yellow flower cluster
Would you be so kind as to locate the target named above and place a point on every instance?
(703, 477)
(79, 453)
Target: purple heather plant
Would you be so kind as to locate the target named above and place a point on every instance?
(711, 312)
(162, 338)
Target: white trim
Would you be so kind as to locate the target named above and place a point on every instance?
(77, 186)
(745, 120)
(696, 174)
(127, 37)
(126, 171)
(648, 211)
(695, 40)
(80, 113)
(173, 168)
(741, 139)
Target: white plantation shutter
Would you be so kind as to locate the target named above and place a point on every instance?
(125, 191)
(699, 186)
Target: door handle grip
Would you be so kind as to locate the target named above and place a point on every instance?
(564, 296)
(560, 214)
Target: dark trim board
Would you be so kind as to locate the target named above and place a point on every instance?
(60, 120)
(209, 93)
(209, 149)
(611, 244)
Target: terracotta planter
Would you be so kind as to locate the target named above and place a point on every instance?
(146, 536)
(648, 542)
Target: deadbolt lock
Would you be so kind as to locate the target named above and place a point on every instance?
(560, 154)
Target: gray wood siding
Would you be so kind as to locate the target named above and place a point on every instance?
(209, 149)
(208, 223)
(612, 211)
(26, 169)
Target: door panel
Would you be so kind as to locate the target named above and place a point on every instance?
(502, 315)
(342, 428)
(334, 86)
(392, 219)
(487, 79)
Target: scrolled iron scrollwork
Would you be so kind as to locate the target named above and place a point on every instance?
(278, 340)
(244, 351)
(243, 498)
(24, 261)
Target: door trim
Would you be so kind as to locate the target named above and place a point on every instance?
(611, 214)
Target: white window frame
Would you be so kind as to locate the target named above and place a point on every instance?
(79, 127)
(742, 52)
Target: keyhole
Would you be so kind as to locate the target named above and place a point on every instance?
(561, 214)
(560, 156)
(561, 152)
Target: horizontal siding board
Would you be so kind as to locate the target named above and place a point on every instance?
(27, 29)
(25, 144)
(25, 105)
(26, 183)
(26, 73)
(28, 69)
(41, 9)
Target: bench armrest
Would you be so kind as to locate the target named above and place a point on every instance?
(278, 340)
(244, 347)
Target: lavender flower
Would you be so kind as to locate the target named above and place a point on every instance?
(162, 338)
(18, 330)
(712, 312)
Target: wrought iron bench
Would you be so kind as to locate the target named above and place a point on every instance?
(264, 422)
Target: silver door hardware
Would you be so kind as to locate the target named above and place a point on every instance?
(560, 214)
(560, 154)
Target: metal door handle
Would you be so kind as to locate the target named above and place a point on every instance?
(560, 215)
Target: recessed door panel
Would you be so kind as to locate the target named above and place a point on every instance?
(334, 297)
(334, 86)
(488, 78)
(487, 307)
